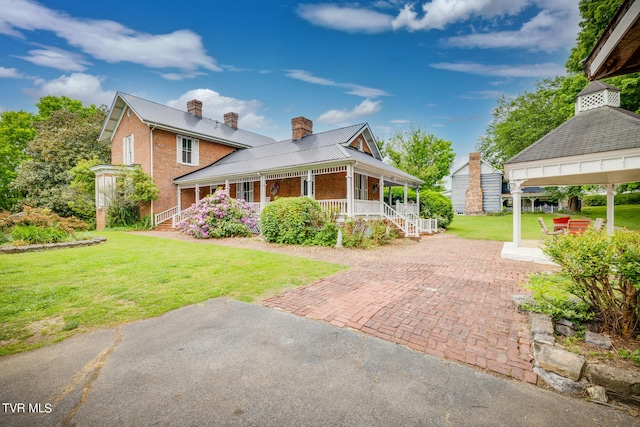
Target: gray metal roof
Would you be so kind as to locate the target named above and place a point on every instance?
(315, 149)
(594, 131)
(178, 121)
(597, 86)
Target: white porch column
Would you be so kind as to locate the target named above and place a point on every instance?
(418, 198)
(197, 193)
(350, 191)
(263, 192)
(610, 210)
(381, 190)
(179, 204)
(226, 185)
(406, 190)
(516, 193)
(310, 185)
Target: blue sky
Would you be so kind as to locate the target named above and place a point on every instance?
(438, 65)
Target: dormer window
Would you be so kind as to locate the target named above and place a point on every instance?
(187, 150)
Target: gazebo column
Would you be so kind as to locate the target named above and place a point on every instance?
(516, 193)
(610, 210)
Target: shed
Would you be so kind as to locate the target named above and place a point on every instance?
(466, 178)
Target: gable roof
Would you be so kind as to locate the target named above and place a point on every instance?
(178, 121)
(599, 130)
(323, 148)
(486, 168)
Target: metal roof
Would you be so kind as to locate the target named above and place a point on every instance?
(164, 117)
(595, 131)
(315, 149)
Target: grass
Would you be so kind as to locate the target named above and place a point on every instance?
(500, 228)
(48, 296)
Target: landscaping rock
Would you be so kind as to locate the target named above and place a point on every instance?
(623, 381)
(565, 327)
(597, 393)
(542, 332)
(598, 340)
(562, 384)
(520, 300)
(561, 362)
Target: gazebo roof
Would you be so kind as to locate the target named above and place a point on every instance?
(599, 145)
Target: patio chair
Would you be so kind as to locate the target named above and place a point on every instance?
(578, 226)
(546, 231)
(598, 225)
(560, 223)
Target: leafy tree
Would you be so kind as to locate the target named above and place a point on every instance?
(571, 193)
(80, 194)
(48, 104)
(596, 15)
(16, 130)
(422, 155)
(63, 139)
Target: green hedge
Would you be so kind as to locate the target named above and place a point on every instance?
(618, 199)
(297, 221)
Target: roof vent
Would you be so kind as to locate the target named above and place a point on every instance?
(597, 95)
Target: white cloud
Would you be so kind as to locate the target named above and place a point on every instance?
(438, 14)
(349, 19)
(533, 70)
(11, 73)
(483, 94)
(549, 30)
(214, 106)
(108, 40)
(365, 108)
(56, 58)
(352, 88)
(84, 87)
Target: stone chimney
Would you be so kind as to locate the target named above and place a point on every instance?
(301, 127)
(231, 119)
(473, 197)
(195, 107)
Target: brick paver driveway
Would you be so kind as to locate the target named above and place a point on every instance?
(445, 296)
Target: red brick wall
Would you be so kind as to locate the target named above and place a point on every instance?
(331, 186)
(370, 183)
(131, 125)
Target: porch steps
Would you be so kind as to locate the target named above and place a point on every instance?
(165, 226)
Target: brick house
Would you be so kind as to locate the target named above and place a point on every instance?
(189, 156)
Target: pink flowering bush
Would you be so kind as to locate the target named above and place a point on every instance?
(218, 215)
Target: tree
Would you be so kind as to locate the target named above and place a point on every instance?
(63, 139)
(16, 129)
(421, 155)
(48, 104)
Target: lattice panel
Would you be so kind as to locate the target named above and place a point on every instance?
(614, 99)
(591, 101)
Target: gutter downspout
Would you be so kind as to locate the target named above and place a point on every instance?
(153, 216)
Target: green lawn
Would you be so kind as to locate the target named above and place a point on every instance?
(501, 227)
(47, 296)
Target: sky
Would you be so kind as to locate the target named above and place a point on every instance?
(437, 65)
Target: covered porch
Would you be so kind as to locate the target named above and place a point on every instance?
(348, 190)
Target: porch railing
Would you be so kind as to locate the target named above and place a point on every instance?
(409, 227)
(334, 205)
(425, 225)
(166, 215)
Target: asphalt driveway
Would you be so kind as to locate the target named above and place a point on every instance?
(229, 363)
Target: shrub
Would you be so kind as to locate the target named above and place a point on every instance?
(605, 273)
(618, 199)
(41, 217)
(361, 233)
(294, 221)
(435, 205)
(32, 234)
(553, 298)
(133, 188)
(217, 215)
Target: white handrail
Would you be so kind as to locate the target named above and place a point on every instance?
(409, 227)
(165, 215)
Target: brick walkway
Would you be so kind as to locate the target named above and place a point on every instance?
(444, 296)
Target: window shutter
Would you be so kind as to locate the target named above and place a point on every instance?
(178, 149)
(195, 158)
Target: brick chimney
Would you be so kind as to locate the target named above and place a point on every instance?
(231, 119)
(195, 107)
(301, 127)
(473, 197)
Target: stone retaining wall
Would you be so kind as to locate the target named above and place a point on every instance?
(47, 246)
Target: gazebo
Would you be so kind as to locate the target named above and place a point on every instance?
(599, 145)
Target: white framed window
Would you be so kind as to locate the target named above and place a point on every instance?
(128, 150)
(187, 150)
(361, 184)
(304, 189)
(244, 190)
